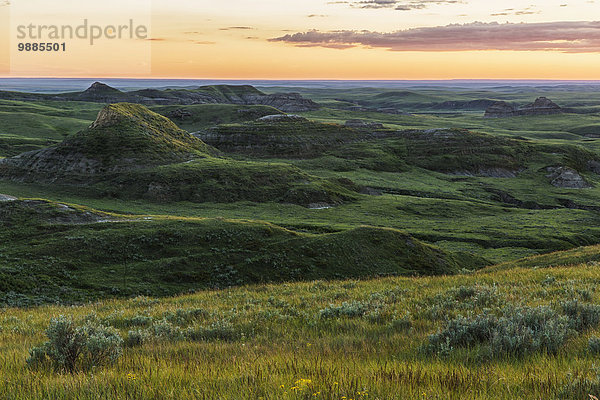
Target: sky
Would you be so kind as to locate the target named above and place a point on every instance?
(321, 39)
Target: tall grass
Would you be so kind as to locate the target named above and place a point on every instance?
(318, 340)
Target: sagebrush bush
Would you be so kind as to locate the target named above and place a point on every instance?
(518, 332)
(165, 331)
(346, 309)
(462, 298)
(63, 348)
(140, 320)
(70, 347)
(463, 332)
(594, 345)
(219, 330)
(527, 330)
(185, 316)
(581, 316)
(137, 337)
(474, 296)
(103, 345)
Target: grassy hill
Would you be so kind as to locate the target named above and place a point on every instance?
(452, 151)
(124, 136)
(132, 132)
(60, 252)
(226, 93)
(26, 126)
(199, 117)
(285, 137)
(213, 94)
(576, 256)
(223, 181)
(132, 152)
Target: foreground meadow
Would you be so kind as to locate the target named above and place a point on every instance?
(524, 333)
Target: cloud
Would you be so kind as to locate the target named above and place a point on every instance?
(236, 28)
(511, 11)
(400, 5)
(569, 37)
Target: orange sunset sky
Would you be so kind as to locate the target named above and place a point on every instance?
(320, 39)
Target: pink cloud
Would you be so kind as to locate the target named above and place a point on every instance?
(568, 36)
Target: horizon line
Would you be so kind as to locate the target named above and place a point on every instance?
(307, 79)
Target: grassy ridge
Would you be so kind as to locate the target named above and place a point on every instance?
(132, 152)
(224, 181)
(579, 255)
(26, 126)
(290, 138)
(339, 148)
(455, 213)
(55, 252)
(198, 117)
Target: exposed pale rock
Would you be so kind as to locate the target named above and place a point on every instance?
(567, 178)
(489, 173)
(541, 106)
(360, 124)
(280, 117)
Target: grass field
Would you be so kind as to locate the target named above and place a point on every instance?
(323, 340)
(433, 258)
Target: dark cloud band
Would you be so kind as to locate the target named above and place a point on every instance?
(403, 5)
